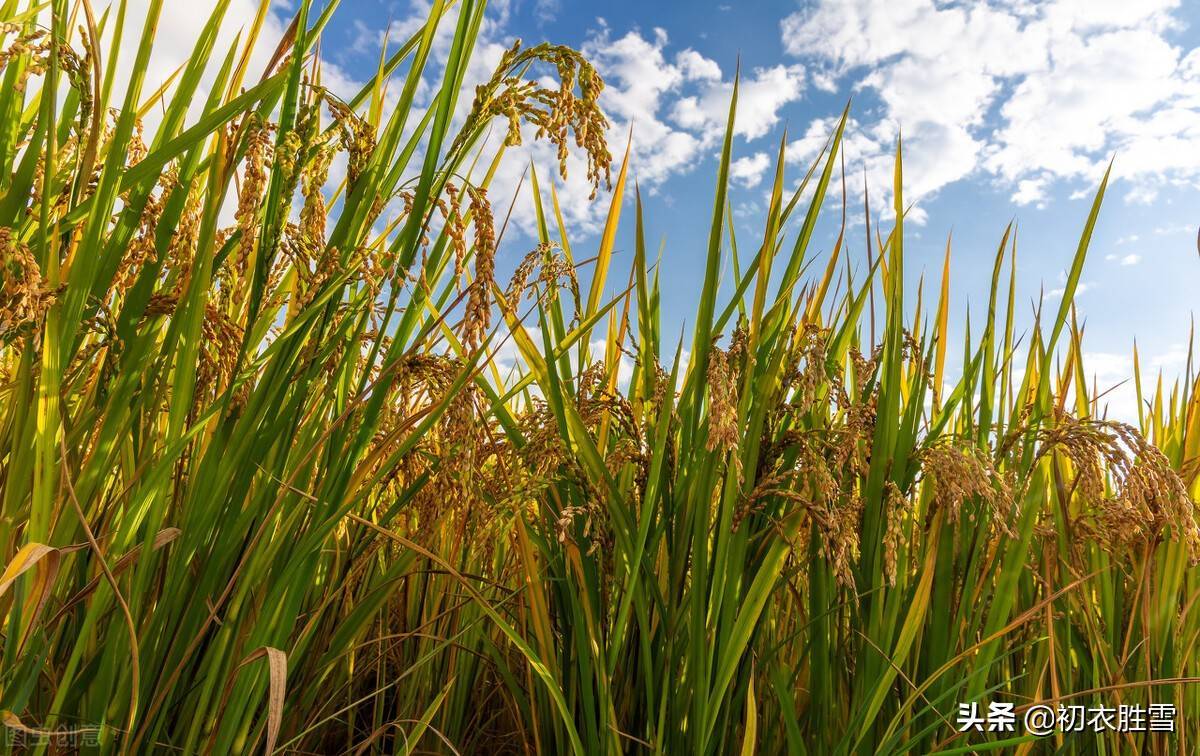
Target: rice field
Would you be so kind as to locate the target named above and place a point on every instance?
(266, 485)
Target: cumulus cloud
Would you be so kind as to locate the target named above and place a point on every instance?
(697, 67)
(678, 105)
(1027, 94)
(748, 171)
(670, 101)
(1031, 191)
(670, 105)
(760, 97)
(642, 78)
(932, 158)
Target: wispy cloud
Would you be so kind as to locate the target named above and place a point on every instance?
(1130, 259)
(1080, 288)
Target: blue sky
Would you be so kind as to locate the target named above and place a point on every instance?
(1010, 109)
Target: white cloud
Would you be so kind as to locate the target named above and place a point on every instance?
(1111, 376)
(760, 97)
(1030, 191)
(175, 36)
(1173, 359)
(1130, 259)
(641, 81)
(748, 171)
(933, 156)
(1027, 93)
(1108, 365)
(697, 67)
(546, 10)
(1171, 229)
(674, 105)
(1080, 289)
(176, 33)
(645, 80)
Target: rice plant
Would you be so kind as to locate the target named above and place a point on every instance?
(266, 486)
